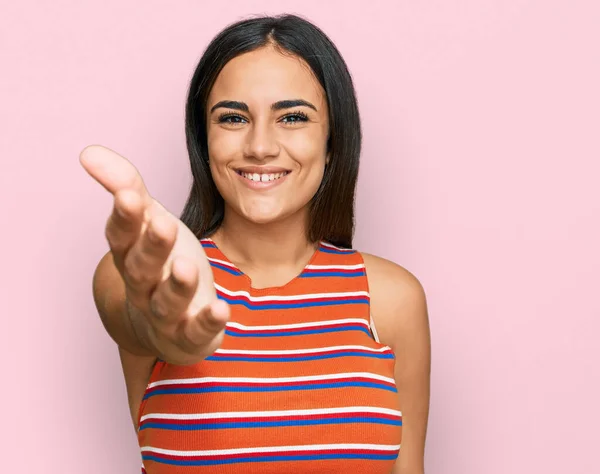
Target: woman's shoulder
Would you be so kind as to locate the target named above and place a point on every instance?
(387, 275)
(398, 301)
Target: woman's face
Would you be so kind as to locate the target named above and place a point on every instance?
(267, 134)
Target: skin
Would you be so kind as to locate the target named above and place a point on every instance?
(263, 232)
(262, 229)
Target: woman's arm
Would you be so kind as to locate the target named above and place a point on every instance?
(137, 362)
(399, 311)
(137, 371)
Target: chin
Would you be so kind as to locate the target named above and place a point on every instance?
(264, 213)
(263, 217)
(268, 210)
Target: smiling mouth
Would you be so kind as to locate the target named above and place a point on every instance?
(264, 177)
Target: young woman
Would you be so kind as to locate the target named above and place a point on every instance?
(246, 329)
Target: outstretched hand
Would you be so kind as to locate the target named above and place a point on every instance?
(168, 279)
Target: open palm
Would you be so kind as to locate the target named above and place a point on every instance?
(168, 279)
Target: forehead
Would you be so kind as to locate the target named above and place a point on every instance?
(264, 76)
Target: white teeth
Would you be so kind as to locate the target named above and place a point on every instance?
(265, 178)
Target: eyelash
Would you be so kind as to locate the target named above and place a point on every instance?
(298, 114)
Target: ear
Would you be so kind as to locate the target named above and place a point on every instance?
(327, 158)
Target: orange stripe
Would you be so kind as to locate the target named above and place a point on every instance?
(359, 466)
(349, 433)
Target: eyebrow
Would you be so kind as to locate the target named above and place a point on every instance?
(280, 105)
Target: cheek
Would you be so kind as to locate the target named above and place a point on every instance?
(310, 154)
(220, 150)
(307, 149)
(222, 144)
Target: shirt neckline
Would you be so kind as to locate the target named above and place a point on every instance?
(270, 288)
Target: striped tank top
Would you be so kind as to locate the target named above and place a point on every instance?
(300, 382)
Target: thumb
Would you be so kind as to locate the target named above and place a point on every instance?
(113, 171)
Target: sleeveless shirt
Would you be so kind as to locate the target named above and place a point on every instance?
(300, 383)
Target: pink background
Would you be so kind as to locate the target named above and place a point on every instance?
(480, 174)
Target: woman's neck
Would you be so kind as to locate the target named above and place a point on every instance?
(265, 246)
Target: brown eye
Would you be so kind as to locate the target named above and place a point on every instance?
(295, 117)
(231, 118)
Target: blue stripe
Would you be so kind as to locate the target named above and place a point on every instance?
(339, 252)
(280, 457)
(267, 424)
(208, 245)
(275, 388)
(292, 332)
(259, 306)
(227, 269)
(308, 274)
(259, 358)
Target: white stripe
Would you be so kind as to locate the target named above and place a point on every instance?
(222, 262)
(298, 325)
(276, 449)
(325, 244)
(271, 380)
(302, 351)
(336, 267)
(290, 298)
(258, 414)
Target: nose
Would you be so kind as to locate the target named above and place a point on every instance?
(261, 142)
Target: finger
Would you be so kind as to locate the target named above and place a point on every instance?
(220, 312)
(205, 326)
(113, 171)
(145, 261)
(172, 296)
(124, 225)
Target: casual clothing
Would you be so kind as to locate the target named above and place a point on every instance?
(300, 383)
